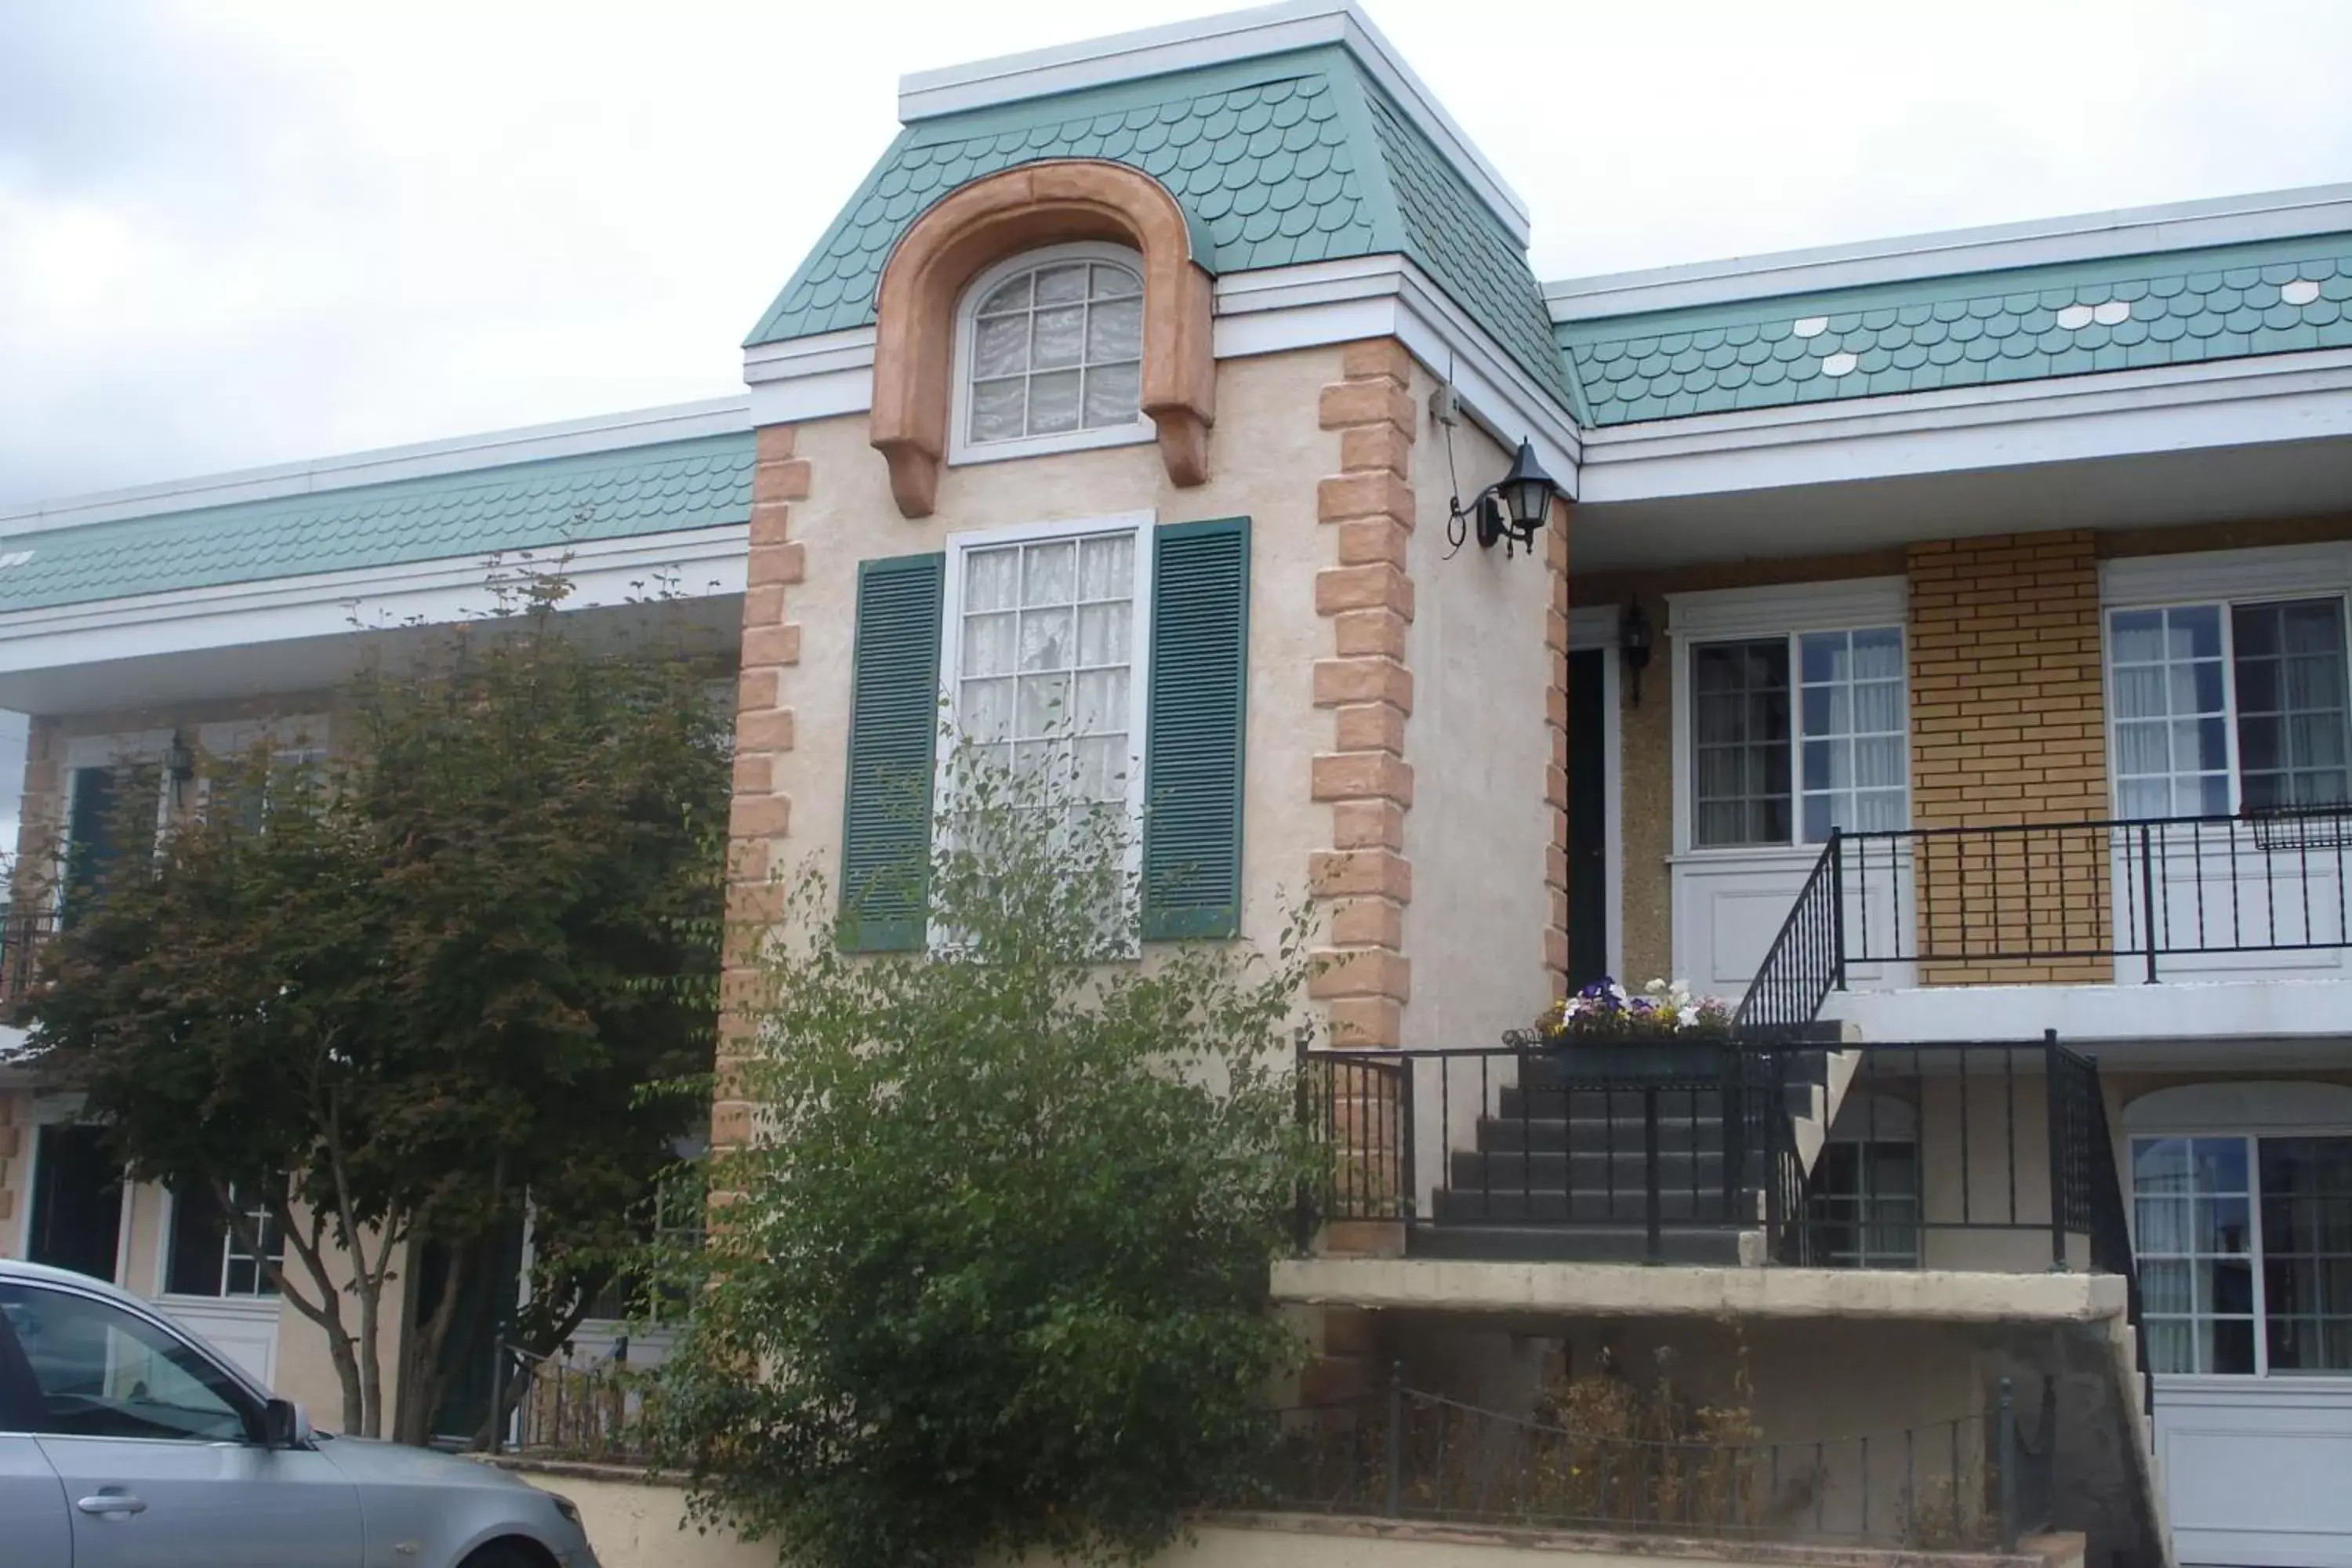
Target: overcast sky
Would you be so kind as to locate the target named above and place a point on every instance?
(233, 234)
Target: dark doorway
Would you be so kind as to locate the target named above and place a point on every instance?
(1588, 820)
(77, 1202)
(486, 1292)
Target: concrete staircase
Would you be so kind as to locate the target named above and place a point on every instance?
(1559, 1170)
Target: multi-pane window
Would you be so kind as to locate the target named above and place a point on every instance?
(1739, 742)
(2227, 707)
(1055, 350)
(2245, 1253)
(208, 1257)
(2289, 660)
(1840, 748)
(111, 811)
(1046, 658)
(1854, 730)
(1863, 1206)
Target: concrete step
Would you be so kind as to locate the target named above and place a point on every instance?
(1586, 1134)
(1536, 1205)
(1716, 1246)
(1537, 1102)
(1586, 1169)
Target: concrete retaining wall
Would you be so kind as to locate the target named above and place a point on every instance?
(634, 1523)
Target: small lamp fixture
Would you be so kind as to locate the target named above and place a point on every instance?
(1512, 511)
(179, 764)
(1633, 645)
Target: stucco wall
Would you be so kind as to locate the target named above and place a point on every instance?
(1480, 828)
(16, 1168)
(1265, 458)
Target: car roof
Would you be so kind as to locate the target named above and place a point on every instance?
(42, 1273)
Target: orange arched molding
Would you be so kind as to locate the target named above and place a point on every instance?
(1016, 210)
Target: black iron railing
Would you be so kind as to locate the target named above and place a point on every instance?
(595, 1411)
(1805, 962)
(1989, 1156)
(1978, 1481)
(1524, 1135)
(2110, 1229)
(2127, 890)
(22, 931)
(2133, 890)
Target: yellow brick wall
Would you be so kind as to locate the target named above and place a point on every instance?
(2007, 726)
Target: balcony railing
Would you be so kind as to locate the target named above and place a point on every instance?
(22, 932)
(1979, 1156)
(2069, 899)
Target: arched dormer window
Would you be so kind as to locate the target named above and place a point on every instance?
(1049, 355)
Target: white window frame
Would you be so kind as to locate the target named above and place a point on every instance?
(298, 741)
(961, 449)
(1790, 612)
(2257, 1254)
(136, 748)
(2227, 598)
(960, 546)
(169, 1228)
(2249, 1111)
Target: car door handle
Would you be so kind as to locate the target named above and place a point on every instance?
(112, 1502)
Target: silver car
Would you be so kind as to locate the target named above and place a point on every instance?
(124, 1442)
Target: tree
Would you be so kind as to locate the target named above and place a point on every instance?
(999, 1254)
(423, 993)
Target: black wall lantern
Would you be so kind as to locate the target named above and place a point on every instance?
(1511, 511)
(1633, 644)
(179, 764)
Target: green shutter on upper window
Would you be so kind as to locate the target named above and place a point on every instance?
(885, 831)
(1195, 731)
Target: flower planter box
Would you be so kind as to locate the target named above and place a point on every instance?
(1643, 1063)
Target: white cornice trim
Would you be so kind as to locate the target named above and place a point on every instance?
(1390, 296)
(2174, 408)
(1259, 312)
(2280, 571)
(709, 561)
(1209, 41)
(1779, 609)
(2132, 231)
(850, 350)
(490, 449)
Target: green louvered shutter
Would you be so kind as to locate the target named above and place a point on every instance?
(885, 833)
(1193, 733)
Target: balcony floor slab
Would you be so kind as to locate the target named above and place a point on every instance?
(1616, 1289)
(2255, 1007)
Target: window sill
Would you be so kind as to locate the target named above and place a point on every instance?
(963, 454)
(1754, 854)
(256, 1307)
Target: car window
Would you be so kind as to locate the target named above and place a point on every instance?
(104, 1373)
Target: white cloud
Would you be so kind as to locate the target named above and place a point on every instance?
(242, 232)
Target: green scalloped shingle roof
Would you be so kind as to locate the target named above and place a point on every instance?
(1288, 159)
(664, 488)
(2029, 324)
(1465, 248)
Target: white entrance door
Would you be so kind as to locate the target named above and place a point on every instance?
(243, 1330)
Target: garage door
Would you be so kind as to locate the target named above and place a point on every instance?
(2257, 1473)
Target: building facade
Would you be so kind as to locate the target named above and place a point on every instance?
(1936, 651)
